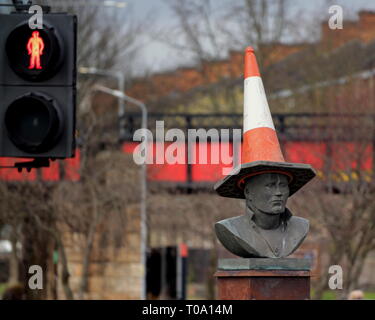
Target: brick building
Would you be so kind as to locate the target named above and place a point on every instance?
(115, 271)
(281, 70)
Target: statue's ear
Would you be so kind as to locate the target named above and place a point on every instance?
(247, 192)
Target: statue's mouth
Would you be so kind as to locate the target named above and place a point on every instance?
(277, 201)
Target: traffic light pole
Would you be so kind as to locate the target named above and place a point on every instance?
(144, 230)
(121, 86)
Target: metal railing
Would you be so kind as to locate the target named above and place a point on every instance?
(289, 126)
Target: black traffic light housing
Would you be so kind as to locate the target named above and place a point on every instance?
(38, 86)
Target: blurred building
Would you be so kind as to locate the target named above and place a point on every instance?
(115, 270)
(281, 70)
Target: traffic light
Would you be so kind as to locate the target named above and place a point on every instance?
(37, 86)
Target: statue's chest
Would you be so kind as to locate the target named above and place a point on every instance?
(275, 239)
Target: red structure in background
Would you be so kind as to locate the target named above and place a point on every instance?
(58, 170)
(313, 153)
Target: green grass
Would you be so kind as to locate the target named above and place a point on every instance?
(330, 295)
(2, 288)
(370, 295)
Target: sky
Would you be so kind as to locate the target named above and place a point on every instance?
(155, 56)
(158, 57)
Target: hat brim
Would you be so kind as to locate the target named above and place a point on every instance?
(232, 185)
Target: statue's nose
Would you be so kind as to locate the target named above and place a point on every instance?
(278, 191)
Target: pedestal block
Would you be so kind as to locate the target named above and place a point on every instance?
(263, 279)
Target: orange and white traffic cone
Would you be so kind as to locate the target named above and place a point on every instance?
(260, 140)
(261, 152)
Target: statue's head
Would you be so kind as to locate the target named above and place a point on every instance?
(267, 192)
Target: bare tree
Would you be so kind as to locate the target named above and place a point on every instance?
(205, 33)
(261, 24)
(25, 207)
(341, 203)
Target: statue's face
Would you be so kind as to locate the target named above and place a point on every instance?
(268, 192)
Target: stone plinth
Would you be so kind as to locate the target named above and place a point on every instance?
(263, 279)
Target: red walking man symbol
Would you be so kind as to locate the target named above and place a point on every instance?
(35, 48)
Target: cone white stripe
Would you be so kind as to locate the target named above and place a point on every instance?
(256, 110)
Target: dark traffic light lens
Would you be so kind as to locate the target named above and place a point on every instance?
(33, 123)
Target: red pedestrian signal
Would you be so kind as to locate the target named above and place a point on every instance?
(35, 55)
(35, 47)
(38, 87)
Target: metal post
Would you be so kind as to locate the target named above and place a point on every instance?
(121, 86)
(189, 151)
(143, 176)
(181, 271)
(163, 276)
(121, 105)
(178, 273)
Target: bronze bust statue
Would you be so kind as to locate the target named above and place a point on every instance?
(267, 229)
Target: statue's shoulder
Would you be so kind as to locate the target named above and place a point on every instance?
(299, 226)
(230, 233)
(302, 222)
(229, 225)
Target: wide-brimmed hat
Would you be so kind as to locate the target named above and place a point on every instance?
(261, 152)
(232, 186)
